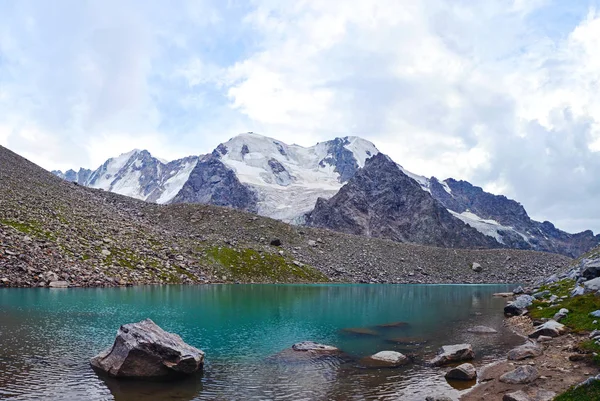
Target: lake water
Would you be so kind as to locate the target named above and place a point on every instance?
(47, 337)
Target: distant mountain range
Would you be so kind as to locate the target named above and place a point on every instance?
(344, 184)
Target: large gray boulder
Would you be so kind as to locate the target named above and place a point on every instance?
(521, 375)
(144, 350)
(519, 306)
(550, 329)
(528, 350)
(453, 353)
(590, 268)
(466, 371)
(591, 285)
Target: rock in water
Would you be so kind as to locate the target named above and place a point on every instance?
(453, 353)
(519, 306)
(482, 330)
(466, 371)
(312, 346)
(385, 359)
(144, 350)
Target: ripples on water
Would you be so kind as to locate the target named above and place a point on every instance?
(48, 335)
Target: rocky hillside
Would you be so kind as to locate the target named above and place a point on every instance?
(52, 231)
(381, 201)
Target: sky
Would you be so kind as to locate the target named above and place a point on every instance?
(502, 93)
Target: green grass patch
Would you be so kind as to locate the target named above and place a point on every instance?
(249, 264)
(560, 288)
(578, 319)
(31, 228)
(583, 393)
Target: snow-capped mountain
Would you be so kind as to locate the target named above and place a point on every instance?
(137, 174)
(269, 177)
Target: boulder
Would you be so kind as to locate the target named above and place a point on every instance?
(541, 294)
(307, 352)
(528, 350)
(591, 285)
(550, 329)
(519, 290)
(385, 359)
(595, 313)
(466, 371)
(58, 284)
(519, 306)
(275, 242)
(144, 350)
(544, 339)
(590, 268)
(453, 353)
(578, 290)
(482, 330)
(476, 267)
(516, 396)
(521, 375)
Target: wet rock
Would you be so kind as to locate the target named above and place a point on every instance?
(385, 359)
(359, 331)
(58, 284)
(144, 350)
(519, 306)
(482, 330)
(393, 325)
(312, 346)
(529, 350)
(550, 329)
(453, 353)
(521, 375)
(466, 371)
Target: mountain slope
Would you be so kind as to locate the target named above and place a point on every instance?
(382, 201)
(51, 229)
(266, 176)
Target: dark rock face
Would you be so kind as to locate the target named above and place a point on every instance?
(211, 182)
(282, 176)
(340, 157)
(144, 350)
(381, 201)
(541, 236)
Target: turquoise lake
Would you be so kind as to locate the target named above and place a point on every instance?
(47, 337)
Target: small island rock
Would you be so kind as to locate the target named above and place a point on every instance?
(144, 350)
(453, 353)
(385, 359)
(466, 371)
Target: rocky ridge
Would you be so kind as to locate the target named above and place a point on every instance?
(52, 230)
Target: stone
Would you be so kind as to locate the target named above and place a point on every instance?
(595, 313)
(528, 350)
(144, 350)
(519, 290)
(551, 328)
(453, 353)
(466, 371)
(519, 306)
(105, 252)
(532, 394)
(543, 339)
(591, 285)
(438, 398)
(578, 290)
(58, 284)
(595, 333)
(590, 268)
(541, 294)
(476, 267)
(521, 375)
(482, 330)
(312, 243)
(561, 314)
(312, 346)
(275, 242)
(385, 359)
(516, 396)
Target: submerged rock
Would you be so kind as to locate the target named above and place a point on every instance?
(529, 350)
(312, 346)
(521, 375)
(453, 353)
(359, 331)
(466, 371)
(394, 325)
(482, 330)
(385, 359)
(144, 350)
